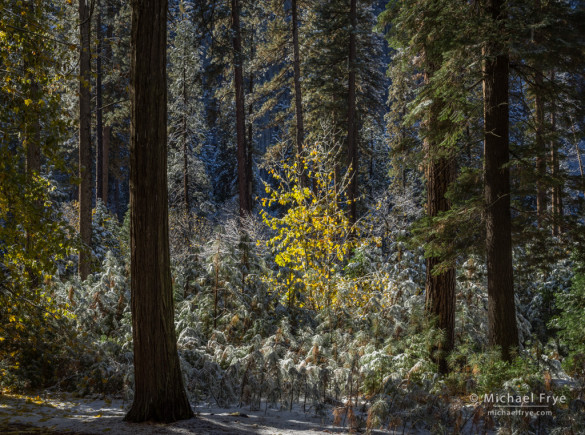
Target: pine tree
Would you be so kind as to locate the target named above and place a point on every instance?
(188, 183)
(343, 56)
(413, 36)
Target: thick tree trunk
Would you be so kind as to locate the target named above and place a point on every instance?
(439, 288)
(352, 146)
(541, 200)
(502, 327)
(99, 161)
(84, 139)
(159, 391)
(300, 128)
(243, 181)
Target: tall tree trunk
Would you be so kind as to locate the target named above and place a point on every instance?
(106, 154)
(99, 160)
(117, 195)
(541, 200)
(352, 146)
(185, 145)
(84, 139)
(300, 128)
(32, 146)
(502, 327)
(107, 91)
(243, 181)
(32, 128)
(439, 288)
(578, 154)
(557, 190)
(32, 136)
(250, 142)
(159, 391)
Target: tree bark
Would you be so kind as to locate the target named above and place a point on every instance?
(502, 326)
(159, 391)
(185, 145)
(32, 128)
(99, 180)
(439, 288)
(541, 200)
(557, 190)
(243, 181)
(107, 91)
(85, 193)
(106, 155)
(32, 147)
(300, 128)
(116, 195)
(352, 146)
(250, 143)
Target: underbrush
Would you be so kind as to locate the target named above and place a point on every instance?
(367, 363)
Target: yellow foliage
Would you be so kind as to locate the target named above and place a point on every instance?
(313, 237)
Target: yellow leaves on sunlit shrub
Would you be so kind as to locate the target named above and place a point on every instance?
(312, 237)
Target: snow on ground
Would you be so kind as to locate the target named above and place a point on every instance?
(64, 413)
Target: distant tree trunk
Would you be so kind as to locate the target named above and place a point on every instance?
(502, 327)
(99, 160)
(32, 138)
(84, 139)
(116, 195)
(541, 200)
(185, 145)
(32, 132)
(32, 128)
(300, 128)
(439, 288)
(107, 129)
(159, 391)
(250, 143)
(32, 146)
(106, 154)
(243, 181)
(352, 146)
(185, 172)
(557, 190)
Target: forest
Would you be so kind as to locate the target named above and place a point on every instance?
(363, 215)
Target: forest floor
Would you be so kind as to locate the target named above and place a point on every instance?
(66, 414)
